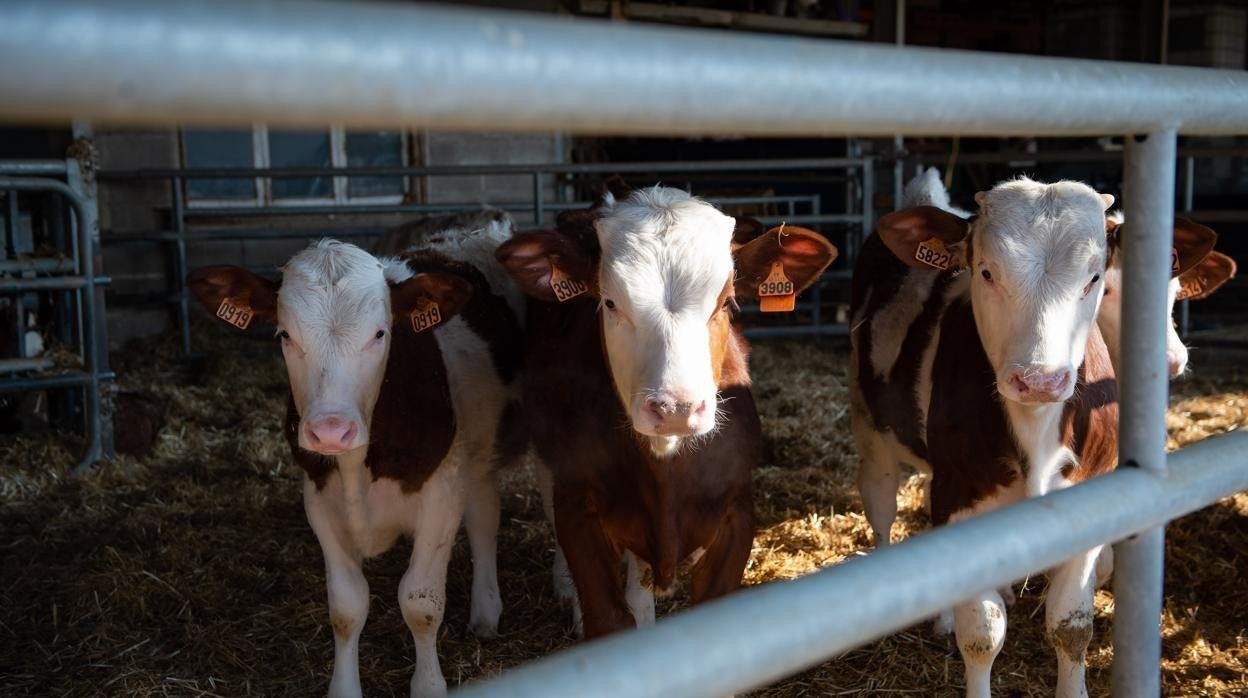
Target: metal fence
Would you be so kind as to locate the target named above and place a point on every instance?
(798, 209)
(157, 61)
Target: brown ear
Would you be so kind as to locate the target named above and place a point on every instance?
(449, 291)
(1192, 243)
(746, 230)
(804, 254)
(1205, 278)
(214, 285)
(530, 258)
(902, 232)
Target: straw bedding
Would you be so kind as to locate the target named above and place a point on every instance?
(191, 570)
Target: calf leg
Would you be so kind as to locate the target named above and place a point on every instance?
(721, 567)
(640, 599)
(1104, 566)
(877, 483)
(348, 597)
(979, 625)
(1068, 620)
(560, 576)
(594, 563)
(422, 591)
(481, 519)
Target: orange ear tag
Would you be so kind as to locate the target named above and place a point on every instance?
(775, 294)
(236, 312)
(1174, 261)
(425, 315)
(932, 252)
(565, 287)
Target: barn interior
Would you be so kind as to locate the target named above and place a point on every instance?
(152, 538)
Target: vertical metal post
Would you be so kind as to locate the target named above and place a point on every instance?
(1189, 195)
(1149, 202)
(899, 145)
(179, 264)
(19, 307)
(539, 212)
(816, 291)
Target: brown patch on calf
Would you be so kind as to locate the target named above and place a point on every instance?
(1090, 416)
(804, 254)
(212, 285)
(903, 231)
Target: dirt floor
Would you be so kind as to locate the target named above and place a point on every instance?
(193, 572)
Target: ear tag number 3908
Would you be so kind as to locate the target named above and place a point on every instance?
(236, 312)
(776, 293)
(565, 287)
(932, 252)
(426, 315)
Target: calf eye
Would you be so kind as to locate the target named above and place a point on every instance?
(986, 274)
(380, 334)
(1088, 289)
(283, 335)
(610, 304)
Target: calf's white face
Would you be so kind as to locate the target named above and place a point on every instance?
(1037, 260)
(1110, 321)
(333, 319)
(666, 271)
(333, 309)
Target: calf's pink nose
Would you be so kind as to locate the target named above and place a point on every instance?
(674, 416)
(1040, 385)
(331, 433)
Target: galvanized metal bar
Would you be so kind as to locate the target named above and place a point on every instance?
(38, 265)
(68, 379)
(86, 279)
(178, 213)
(327, 210)
(49, 283)
(1148, 190)
(377, 65)
(659, 166)
(32, 168)
(767, 632)
(39, 363)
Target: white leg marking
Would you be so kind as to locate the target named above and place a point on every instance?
(640, 599)
(481, 520)
(422, 592)
(980, 627)
(346, 587)
(561, 576)
(1068, 620)
(877, 483)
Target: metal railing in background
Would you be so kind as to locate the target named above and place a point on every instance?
(798, 209)
(393, 65)
(75, 275)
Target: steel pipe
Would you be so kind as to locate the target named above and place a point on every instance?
(1148, 193)
(767, 632)
(31, 168)
(384, 65)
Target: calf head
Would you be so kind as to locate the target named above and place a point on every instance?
(666, 273)
(1036, 257)
(336, 308)
(1197, 272)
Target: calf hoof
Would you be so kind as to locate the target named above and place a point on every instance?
(484, 629)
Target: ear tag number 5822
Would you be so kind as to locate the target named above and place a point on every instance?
(932, 252)
(776, 294)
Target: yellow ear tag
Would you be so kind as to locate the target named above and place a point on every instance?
(932, 252)
(565, 287)
(775, 294)
(1174, 261)
(425, 315)
(236, 312)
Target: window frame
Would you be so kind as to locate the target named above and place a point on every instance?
(264, 184)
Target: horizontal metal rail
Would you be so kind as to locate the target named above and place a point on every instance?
(767, 632)
(51, 283)
(389, 65)
(38, 265)
(33, 168)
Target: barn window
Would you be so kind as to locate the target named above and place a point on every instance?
(265, 148)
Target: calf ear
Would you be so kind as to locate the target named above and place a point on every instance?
(412, 302)
(904, 231)
(746, 230)
(235, 287)
(1192, 243)
(1205, 278)
(532, 257)
(804, 254)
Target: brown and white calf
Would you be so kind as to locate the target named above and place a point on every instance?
(399, 375)
(637, 391)
(991, 375)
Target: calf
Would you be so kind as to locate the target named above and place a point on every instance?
(399, 374)
(637, 391)
(989, 374)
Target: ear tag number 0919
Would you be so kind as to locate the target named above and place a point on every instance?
(932, 252)
(236, 312)
(565, 287)
(776, 294)
(426, 315)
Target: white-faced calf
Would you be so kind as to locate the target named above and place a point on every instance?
(399, 371)
(637, 391)
(991, 375)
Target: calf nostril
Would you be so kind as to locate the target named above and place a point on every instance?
(1017, 382)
